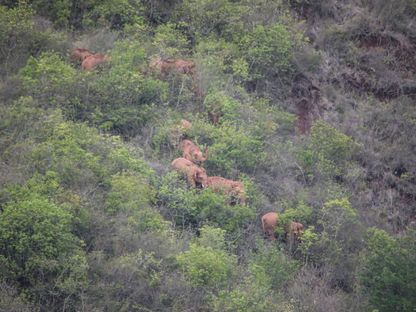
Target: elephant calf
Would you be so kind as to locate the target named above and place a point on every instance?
(196, 176)
(270, 221)
(234, 189)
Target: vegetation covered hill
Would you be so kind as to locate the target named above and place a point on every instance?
(310, 103)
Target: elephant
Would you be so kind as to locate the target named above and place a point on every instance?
(186, 125)
(191, 152)
(169, 66)
(295, 229)
(92, 61)
(270, 221)
(80, 54)
(195, 175)
(165, 67)
(234, 189)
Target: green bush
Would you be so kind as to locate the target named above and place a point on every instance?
(190, 207)
(328, 152)
(38, 250)
(269, 51)
(21, 37)
(218, 103)
(121, 99)
(271, 268)
(129, 193)
(170, 42)
(269, 271)
(212, 17)
(388, 274)
(336, 241)
(113, 13)
(206, 266)
(48, 78)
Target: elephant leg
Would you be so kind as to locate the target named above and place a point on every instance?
(190, 178)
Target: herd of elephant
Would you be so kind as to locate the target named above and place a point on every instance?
(190, 164)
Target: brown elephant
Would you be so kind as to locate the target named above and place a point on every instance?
(192, 152)
(93, 60)
(270, 221)
(79, 54)
(234, 189)
(166, 67)
(172, 66)
(186, 125)
(295, 229)
(196, 176)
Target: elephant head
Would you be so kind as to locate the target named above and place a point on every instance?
(191, 152)
(200, 176)
(80, 55)
(296, 229)
(196, 176)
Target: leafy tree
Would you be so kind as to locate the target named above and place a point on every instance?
(388, 274)
(190, 207)
(38, 250)
(206, 17)
(170, 42)
(328, 152)
(47, 78)
(268, 51)
(207, 266)
(336, 241)
(20, 38)
(269, 270)
(114, 13)
(129, 192)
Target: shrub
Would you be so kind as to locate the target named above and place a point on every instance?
(129, 193)
(48, 78)
(21, 37)
(206, 266)
(114, 13)
(188, 207)
(212, 17)
(169, 41)
(38, 250)
(268, 50)
(336, 241)
(328, 152)
(388, 274)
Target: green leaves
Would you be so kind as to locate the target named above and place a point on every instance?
(37, 245)
(328, 151)
(208, 265)
(129, 193)
(47, 77)
(388, 273)
(268, 50)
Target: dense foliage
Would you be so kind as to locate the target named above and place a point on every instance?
(309, 104)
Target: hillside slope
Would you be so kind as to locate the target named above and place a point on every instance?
(309, 104)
